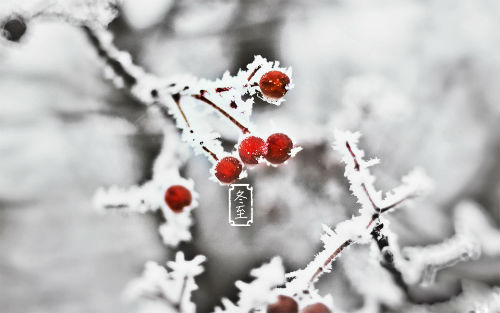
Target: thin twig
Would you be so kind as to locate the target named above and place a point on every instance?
(390, 206)
(201, 97)
(178, 305)
(375, 207)
(117, 67)
(346, 244)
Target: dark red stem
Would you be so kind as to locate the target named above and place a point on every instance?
(201, 97)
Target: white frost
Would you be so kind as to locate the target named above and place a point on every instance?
(171, 288)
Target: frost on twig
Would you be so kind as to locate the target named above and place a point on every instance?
(474, 235)
(150, 195)
(362, 182)
(259, 292)
(358, 229)
(172, 289)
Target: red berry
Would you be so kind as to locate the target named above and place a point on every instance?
(284, 304)
(316, 308)
(273, 84)
(279, 147)
(251, 149)
(177, 197)
(228, 170)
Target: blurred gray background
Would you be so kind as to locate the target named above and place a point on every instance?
(65, 131)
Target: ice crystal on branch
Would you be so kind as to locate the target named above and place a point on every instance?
(171, 288)
(259, 292)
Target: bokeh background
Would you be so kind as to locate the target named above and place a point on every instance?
(419, 79)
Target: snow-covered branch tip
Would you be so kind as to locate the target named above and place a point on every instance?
(167, 191)
(258, 293)
(170, 290)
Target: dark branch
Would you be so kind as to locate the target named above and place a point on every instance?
(117, 67)
(388, 257)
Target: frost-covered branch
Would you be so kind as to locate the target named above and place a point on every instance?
(173, 288)
(15, 15)
(259, 292)
(366, 275)
(474, 235)
(189, 100)
(358, 229)
(387, 260)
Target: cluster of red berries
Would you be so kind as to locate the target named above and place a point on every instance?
(276, 150)
(177, 197)
(287, 304)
